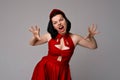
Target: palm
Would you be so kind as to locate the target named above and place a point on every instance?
(35, 31)
(92, 30)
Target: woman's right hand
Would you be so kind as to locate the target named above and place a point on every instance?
(35, 31)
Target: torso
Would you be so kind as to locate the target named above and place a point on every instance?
(62, 45)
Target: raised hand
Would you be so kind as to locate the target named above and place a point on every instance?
(92, 31)
(35, 31)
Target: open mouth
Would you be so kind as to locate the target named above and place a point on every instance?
(61, 27)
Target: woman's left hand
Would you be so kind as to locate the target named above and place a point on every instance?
(92, 31)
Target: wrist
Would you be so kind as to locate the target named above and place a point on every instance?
(90, 36)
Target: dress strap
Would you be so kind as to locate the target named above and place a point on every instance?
(65, 38)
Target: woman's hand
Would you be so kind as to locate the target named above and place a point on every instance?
(92, 31)
(35, 31)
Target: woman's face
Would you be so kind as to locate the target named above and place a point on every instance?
(59, 23)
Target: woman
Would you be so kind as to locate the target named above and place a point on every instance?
(61, 45)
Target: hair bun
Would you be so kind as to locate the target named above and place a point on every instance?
(55, 12)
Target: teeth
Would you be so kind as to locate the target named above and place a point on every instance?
(61, 27)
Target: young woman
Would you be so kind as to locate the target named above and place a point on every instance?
(61, 45)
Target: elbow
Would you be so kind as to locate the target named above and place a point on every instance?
(93, 47)
(31, 44)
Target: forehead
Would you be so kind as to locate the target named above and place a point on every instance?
(57, 17)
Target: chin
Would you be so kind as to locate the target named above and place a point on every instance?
(62, 33)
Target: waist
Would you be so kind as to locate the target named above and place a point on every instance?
(57, 59)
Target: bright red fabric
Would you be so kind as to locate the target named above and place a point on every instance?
(51, 69)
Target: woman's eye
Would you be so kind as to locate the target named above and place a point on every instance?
(61, 19)
(54, 22)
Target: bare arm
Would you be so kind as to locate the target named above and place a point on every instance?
(89, 41)
(37, 39)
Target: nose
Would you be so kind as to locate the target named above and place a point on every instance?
(59, 23)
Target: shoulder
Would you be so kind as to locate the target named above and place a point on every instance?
(48, 36)
(75, 38)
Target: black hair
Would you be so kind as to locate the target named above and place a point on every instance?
(53, 32)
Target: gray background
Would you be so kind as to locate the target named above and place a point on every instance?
(18, 58)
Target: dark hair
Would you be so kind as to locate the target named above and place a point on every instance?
(50, 27)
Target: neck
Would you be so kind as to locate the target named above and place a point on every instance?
(62, 34)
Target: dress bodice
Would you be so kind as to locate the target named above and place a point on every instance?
(55, 52)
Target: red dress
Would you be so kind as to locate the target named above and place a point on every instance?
(50, 68)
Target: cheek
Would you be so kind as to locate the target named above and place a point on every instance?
(55, 27)
(65, 23)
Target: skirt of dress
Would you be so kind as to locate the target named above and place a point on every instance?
(50, 69)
